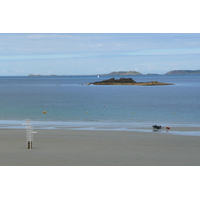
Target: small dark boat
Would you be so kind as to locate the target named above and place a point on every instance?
(155, 127)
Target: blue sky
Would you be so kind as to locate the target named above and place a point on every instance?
(76, 54)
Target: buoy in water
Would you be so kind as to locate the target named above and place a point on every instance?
(44, 112)
(167, 127)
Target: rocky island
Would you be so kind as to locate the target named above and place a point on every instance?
(127, 81)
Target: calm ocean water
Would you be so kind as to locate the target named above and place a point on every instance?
(69, 102)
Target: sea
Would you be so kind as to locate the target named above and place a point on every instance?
(68, 102)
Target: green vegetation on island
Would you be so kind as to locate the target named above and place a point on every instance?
(183, 72)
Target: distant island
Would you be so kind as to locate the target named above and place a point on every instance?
(110, 74)
(44, 75)
(127, 81)
(124, 73)
(138, 73)
(183, 72)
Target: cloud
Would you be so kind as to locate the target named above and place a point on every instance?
(40, 57)
(163, 52)
(100, 45)
(103, 54)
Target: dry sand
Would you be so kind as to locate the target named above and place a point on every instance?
(99, 148)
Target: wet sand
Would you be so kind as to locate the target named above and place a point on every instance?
(99, 148)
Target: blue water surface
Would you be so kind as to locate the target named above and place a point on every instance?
(68, 99)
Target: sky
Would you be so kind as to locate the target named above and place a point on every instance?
(97, 53)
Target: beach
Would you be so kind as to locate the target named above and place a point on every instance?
(57, 147)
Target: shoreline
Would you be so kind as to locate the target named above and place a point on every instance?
(56, 147)
(175, 129)
(180, 129)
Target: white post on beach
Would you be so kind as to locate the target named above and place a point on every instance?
(29, 134)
